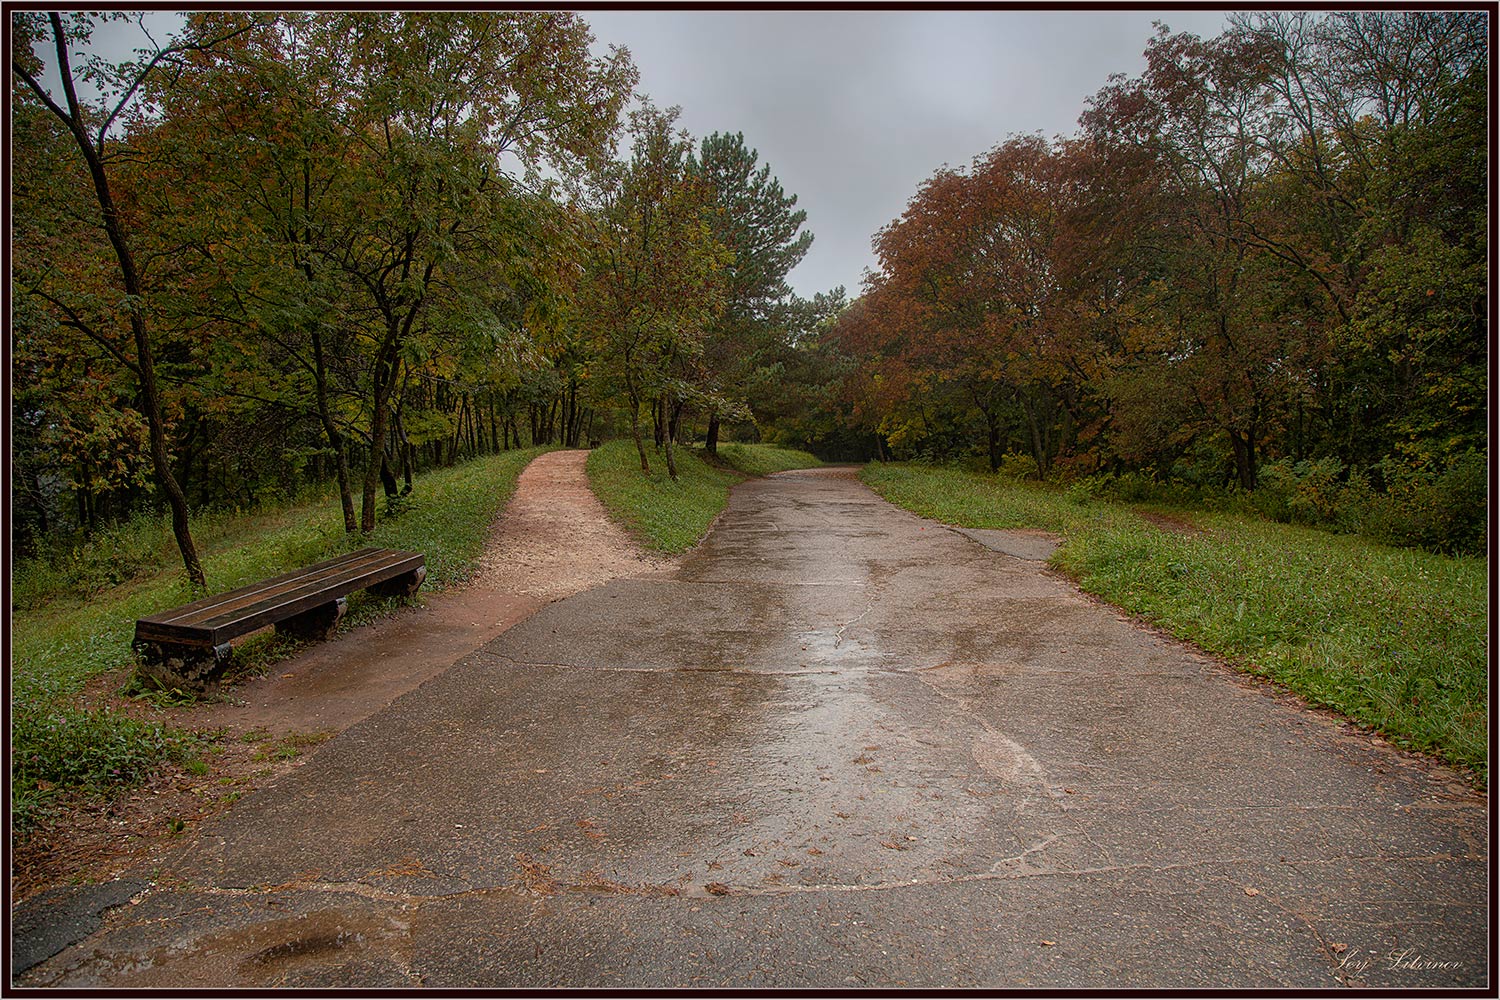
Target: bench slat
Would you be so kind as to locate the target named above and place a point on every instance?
(215, 620)
(291, 585)
(238, 621)
(188, 613)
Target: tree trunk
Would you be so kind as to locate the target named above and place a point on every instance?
(1244, 458)
(407, 452)
(635, 418)
(711, 439)
(387, 477)
(331, 431)
(1038, 435)
(386, 363)
(145, 362)
(674, 423)
(571, 423)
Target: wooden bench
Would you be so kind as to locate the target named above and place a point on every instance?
(189, 647)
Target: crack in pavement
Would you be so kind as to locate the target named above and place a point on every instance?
(648, 669)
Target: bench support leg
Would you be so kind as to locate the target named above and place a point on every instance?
(186, 668)
(315, 625)
(404, 585)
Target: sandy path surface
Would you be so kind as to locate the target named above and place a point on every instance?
(555, 538)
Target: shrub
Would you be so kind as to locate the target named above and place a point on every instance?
(1443, 511)
(1307, 492)
(1016, 465)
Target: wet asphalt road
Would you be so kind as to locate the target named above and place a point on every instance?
(841, 747)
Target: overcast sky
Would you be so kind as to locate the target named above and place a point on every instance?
(854, 109)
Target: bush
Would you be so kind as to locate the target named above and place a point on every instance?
(1088, 488)
(1016, 465)
(1444, 511)
(63, 749)
(1307, 492)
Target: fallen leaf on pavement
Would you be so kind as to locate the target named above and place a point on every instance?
(1251, 892)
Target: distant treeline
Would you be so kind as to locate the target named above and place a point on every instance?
(1260, 264)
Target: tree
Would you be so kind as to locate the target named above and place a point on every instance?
(442, 99)
(90, 129)
(758, 223)
(379, 226)
(654, 280)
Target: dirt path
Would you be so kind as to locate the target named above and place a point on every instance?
(554, 539)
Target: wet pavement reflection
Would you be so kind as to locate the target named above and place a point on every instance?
(841, 746)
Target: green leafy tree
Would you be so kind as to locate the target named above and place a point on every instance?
(655, 278)
(758, 222)
(91, 130)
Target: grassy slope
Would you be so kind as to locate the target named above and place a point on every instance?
(60, 640)
(764, 459)
(663, 515)
(1392, 638)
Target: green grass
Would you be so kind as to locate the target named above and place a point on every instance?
(62, 637)
(662, 514)
(764, 459)
(1392, 638)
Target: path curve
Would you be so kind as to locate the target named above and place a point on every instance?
(552, 540)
